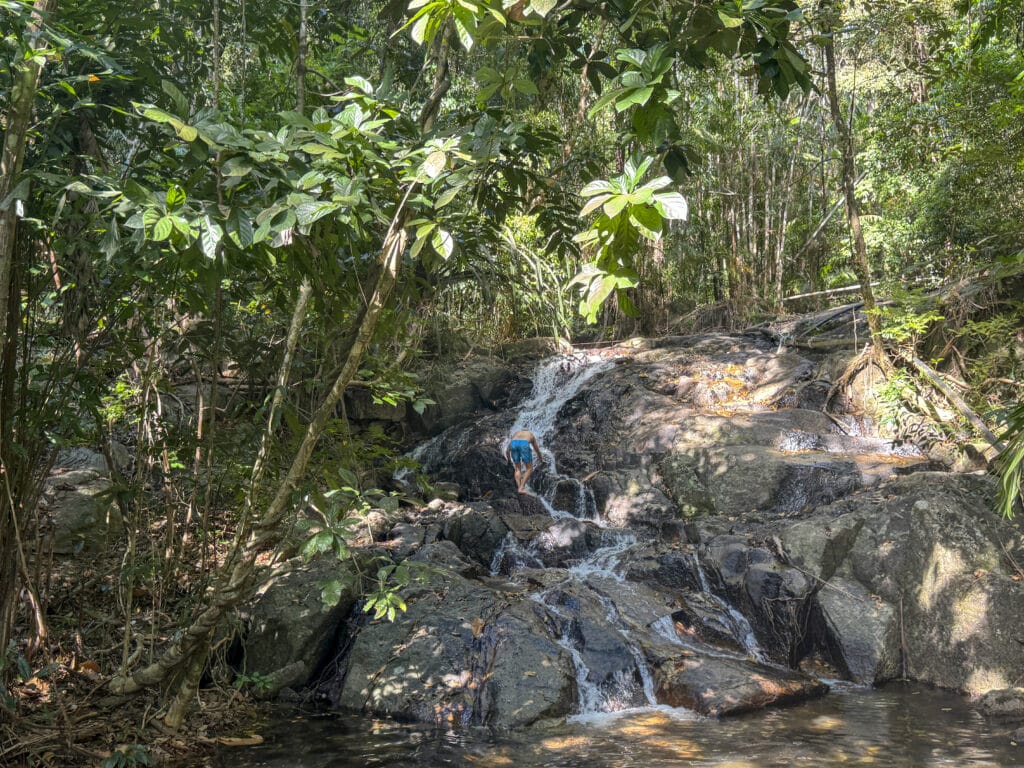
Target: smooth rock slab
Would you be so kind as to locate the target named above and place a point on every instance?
(724, 686)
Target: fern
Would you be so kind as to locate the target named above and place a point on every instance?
(1010, 463)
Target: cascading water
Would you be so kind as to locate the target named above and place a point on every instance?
(555, 383)
(735, 622)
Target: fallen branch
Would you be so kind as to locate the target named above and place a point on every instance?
(823, 343)
(935, 379)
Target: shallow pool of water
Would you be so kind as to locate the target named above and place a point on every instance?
(898, 726)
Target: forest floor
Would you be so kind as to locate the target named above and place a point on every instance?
(64, 714)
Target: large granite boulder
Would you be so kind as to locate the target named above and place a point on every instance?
(464, 653)
(294, 623)
(78, 497)
(713, 685)
(473, 388)
(918, 579)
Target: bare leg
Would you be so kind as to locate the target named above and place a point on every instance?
(526, 478)
(519, 476)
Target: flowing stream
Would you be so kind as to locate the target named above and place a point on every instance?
(895, 727)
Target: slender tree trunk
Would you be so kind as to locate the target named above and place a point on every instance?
(16, 124)
(25, 74)
(300, 63)
(861, 266)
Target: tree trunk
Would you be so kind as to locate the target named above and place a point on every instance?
(300, 63)
(235, 580)
(849, 180)
(26, 75)
(16, 123)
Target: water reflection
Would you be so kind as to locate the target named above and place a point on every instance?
(897, 727)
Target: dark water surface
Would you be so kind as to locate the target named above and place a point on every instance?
(898, 726)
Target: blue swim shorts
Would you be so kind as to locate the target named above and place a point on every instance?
(520, 450)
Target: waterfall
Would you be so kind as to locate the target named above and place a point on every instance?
(733, 620)
(556, 382)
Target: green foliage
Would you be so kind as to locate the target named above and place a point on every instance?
(906, 326)
(127, 756)
(1010, 463)
(384, 598)
(628, 211)
(253, 681)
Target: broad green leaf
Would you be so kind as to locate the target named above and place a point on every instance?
(163, 228)
(236, 166)
(187, 132)
(445, 197)
(175, 196)
(310, 180)
(434, 164)
(443, 243)
(177, 97)
(542, 8)
(595, 187)
(526, 86)
(364, 85)
(593, 204)
(729, 21)
(635, 56)
(658, 183)
(465, 28)
(158, 115)
(672, 205)
(181, 225)
(614, 205)
(111, 242)
(210, 238)
(606, 98)
(419, 29)
(647, 220)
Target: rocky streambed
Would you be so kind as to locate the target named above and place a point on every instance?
(706, 536)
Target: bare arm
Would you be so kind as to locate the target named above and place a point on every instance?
(536, 448)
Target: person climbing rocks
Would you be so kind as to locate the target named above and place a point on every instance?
(520, 452)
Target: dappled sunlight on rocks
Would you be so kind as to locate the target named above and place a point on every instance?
(982, 680)
(944, 565)
(824, 723)
(970, 615)
(562, 743)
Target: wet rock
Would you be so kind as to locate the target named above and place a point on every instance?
(567, 541)
(675, 571)
(860, 632)
(612, 679)
(931, 550)
(463, 654)
(721, 686)
(477, 530)
(1003, 704)
(702, 618)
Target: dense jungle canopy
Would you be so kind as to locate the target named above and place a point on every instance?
(219, 216)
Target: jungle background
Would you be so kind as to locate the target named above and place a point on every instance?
(218, 217)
